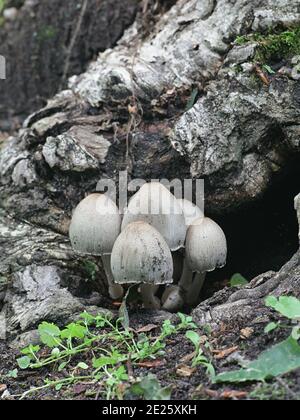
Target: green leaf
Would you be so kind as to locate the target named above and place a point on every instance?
(62, 366)
(91, 269)
(186, 321)
(288, 306)
(88, 318)
(238, 280)
(193, 337)
(82, 366)
(278, 360)
(55, 352)
(24, 362)
(104, 361)
(268, 69)
(74, 331)
(30, 350)
(271, 327)
(49, 334)
(150, 388)
(58, 387)
(12, 374)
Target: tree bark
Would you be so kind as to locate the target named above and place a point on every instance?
(165, 104)
(46, 41)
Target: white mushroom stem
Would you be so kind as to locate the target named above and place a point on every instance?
(148, 295)
(116, 291)
(186, 279)
(191, 285)
(193, 294)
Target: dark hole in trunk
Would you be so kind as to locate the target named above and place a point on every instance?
(264, 235)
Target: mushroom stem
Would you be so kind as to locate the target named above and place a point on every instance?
(148, 295)
(193, 294)
(191, 285)
(186, 279)
(116, 291)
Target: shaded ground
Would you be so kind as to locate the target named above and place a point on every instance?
(193, 387)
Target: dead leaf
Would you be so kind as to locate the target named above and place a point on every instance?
(222, 354)
(79, 389)
(211, 393)
(246, 333)
(3, 387)
(185, 371)
(146, 328)
(229, 395)
(151, 363)
(263, 77)
(188, 357)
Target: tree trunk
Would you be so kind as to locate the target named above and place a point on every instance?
(46, 41)
(182, 101)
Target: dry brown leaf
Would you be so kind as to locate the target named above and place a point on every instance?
(263, 77)
(246, 333)
(188, 357)
(228, 395)
(151, 363)
(3, 388)
(146, 328)
(222, 354)
(211, 393)
(185, 371)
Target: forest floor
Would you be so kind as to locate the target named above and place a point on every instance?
(224, 348)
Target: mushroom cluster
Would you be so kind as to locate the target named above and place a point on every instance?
(161, 241)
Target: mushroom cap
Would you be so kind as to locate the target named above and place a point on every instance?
(141, 255)
(155, 205)
(95, 225)
(206, 246)
(191, 211)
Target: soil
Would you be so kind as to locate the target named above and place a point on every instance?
(195, 387)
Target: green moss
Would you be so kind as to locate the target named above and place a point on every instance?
(274, 46)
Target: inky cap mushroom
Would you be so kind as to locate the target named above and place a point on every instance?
(155, 205)
(95, 225)
(206, 246)
(206, 250)
(141, 255)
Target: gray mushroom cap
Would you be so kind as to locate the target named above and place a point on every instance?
(155, 205)
(206, 246)
(95, 225)
(191, 211)
(141, 255)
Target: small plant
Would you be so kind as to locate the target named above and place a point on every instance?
(200, 359)
(289, 307)
(273, 46)
(150, 389)
(66, 351)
